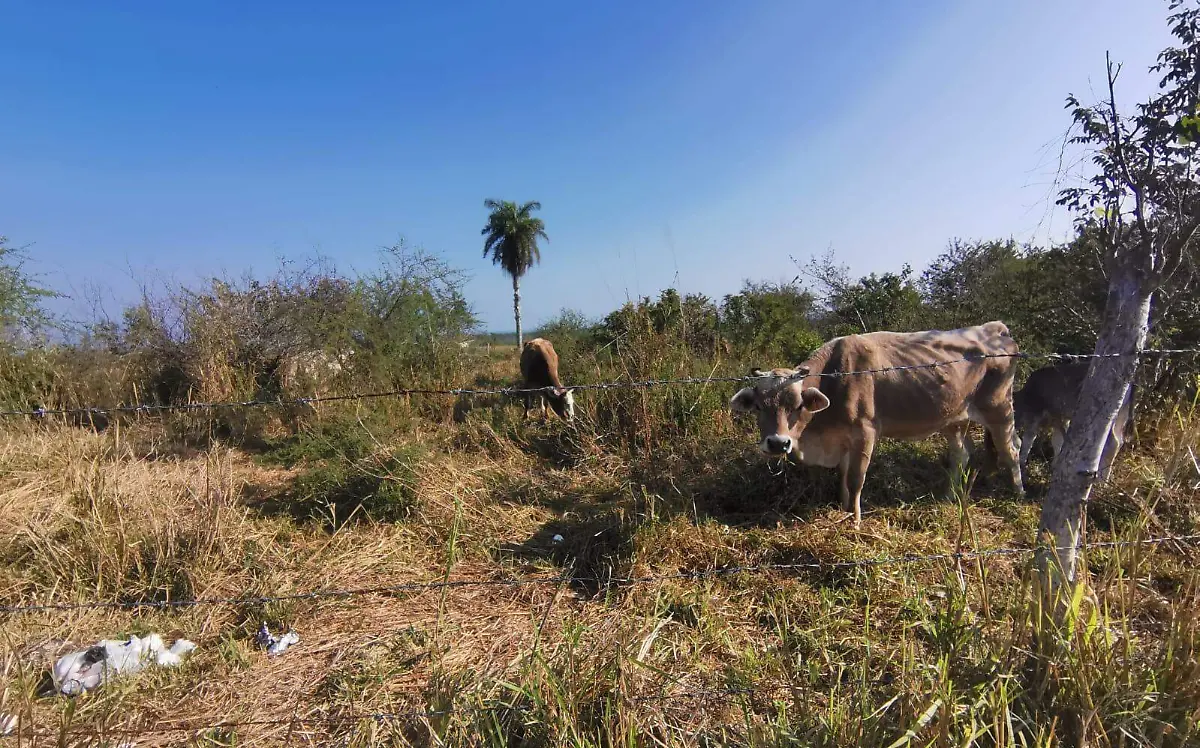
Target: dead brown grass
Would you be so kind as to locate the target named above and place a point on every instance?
(841, 655)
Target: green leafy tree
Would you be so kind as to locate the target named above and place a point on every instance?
(878, 302)
(890, 301)
(22, 314)
(411, 315)
(770, 320)
(511, 238)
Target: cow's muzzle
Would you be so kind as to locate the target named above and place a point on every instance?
(777, 445)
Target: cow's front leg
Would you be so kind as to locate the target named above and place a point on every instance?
(854, 472)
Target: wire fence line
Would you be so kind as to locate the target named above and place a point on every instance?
(618, 385)
(296, 721)
(417, 587)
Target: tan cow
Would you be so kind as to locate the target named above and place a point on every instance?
(835, 421)
(1049, 398)
(539, 368)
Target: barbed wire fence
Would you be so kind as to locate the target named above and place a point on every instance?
(42, 412)
(605, 581)
(295, 720)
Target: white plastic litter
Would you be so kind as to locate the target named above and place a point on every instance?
(8, 723)
(83, 671)
(275, 644)
(558, 538)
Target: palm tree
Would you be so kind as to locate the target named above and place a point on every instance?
(511, 236)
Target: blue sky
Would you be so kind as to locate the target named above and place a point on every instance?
(690, 143)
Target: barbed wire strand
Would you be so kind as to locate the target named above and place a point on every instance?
(516, 391)
(761, 687)
(407, 587)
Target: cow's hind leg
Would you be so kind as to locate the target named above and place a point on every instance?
(999, 423)
(1058, 434)
(527, 401)
(1116, 438)
(1112, 445)
(854, 472)
(1028, 436)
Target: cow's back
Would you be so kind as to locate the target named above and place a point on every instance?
(1055, 389)
(539, 364)
(910, 398)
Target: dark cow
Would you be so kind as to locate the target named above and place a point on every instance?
(539, 368)
(835, 421)
(1049, 398)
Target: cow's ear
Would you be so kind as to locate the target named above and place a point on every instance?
(813, 400)
(757, 372)
(744, 401)
(802, 370)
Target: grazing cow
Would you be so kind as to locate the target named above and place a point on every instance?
(1049, 398)
(835, 421)
(311, 371)
(539, 368)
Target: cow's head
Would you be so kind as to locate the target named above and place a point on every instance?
(783, 406)
(562, 402)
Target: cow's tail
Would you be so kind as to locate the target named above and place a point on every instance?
(989, 446)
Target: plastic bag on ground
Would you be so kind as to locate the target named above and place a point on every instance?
(90, 668)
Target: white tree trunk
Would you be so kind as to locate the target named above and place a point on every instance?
(517, 309)
(1126, 322)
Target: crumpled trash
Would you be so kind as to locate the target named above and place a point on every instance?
(275, 644)
(92, 667)
(8, 723)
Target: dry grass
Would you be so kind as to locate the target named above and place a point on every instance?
(838, 656)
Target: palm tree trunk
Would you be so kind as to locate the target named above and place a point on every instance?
(517, 308)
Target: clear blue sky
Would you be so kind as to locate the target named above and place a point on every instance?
(687, 142)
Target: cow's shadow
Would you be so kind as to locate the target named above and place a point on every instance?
(592, 547)
(737, 486)
(594, 539)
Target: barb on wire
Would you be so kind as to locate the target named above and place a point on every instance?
(321, 594)
(42, 412)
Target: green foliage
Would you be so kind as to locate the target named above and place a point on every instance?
(692, 320)
(346, 474)
(381, 488)
(876, 302)
(330, 440)
(22, 312)
(570, 333)
(770, 320)
(511, 237)
(306, 330)
(410, 315)
(1023, 286)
